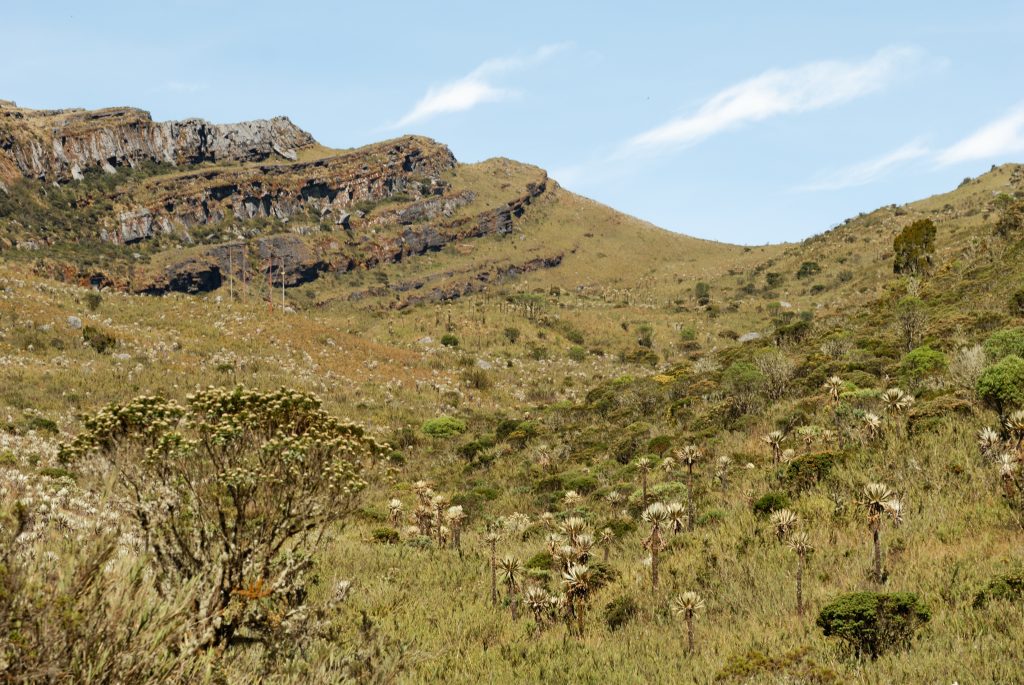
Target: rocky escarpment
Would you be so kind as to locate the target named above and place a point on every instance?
(291, 260)
(61, 145)
(323, 190)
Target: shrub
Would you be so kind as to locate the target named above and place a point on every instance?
(577, 353)
(541, 561)
(444, 427)
(1017, 303)
(1004, 343)
(221, 466)
(93, 300)
(702, 291)
(913, 248)
(511, 334)
(477, 378)
(808, 269)
(922, 363)
(98, 340)
(743, 381)
(1007, 587)
(620, 611)
(1001, 386)
(385, 536)
(807, 470)
(792, 667)
(770, 502)
(449, 340)
(871, 622)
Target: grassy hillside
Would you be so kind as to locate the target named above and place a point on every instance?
(543, 393)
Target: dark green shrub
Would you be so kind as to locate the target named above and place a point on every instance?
(1017, 303)
(773, 279)
(583, 483)
(1007, 587)
(914, 247)
(93, 300)
(659, 444)
(1004, 343)
(702, 291)
(472, 450)
(385, 536)
(808, 269)
(477, 378)
(43, 424)
(444, 427)
(769, 502)
(56, 472)
(620, 611)
(449, 340)
(511, 334)
(807, 470)
(1001, 386)
(98, 340)
(922, 363)
(872, 622)
(541, 561)
(640, 355)
(577, 353)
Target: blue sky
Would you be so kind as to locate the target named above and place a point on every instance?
(745, 122)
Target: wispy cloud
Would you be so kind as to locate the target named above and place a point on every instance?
(863, 173)
(776, 92)
(1004, 136)
(475, 88)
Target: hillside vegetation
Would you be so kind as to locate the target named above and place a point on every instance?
(557, 445)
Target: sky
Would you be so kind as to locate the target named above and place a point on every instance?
(746, 122)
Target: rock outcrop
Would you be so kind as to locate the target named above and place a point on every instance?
(324, 189)
(60, 145)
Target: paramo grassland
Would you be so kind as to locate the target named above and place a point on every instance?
(649, 410)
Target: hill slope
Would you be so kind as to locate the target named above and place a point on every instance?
(524, 349)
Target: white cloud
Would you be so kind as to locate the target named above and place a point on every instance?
(474, 88)
(777, 91)
(1003, 136)
(865, 172)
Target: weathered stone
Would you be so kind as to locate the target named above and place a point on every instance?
(74, 322)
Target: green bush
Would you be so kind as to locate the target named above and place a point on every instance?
(443, 427)
(620, 611)
(577, 353)
(922, 363)
(98, 340)
(702, 291)
(914, 247)
(1004, 343)
(93, 300)
(1007, 587)
(807, 470)
(769, 502)
(872, 622)
(792, 667)
(385, 536)
(511, 334)
(1001, 386)
(808, 269)
(449, 340)
(541, 561)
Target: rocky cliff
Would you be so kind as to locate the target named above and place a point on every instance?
(60, 145)
(258, 203)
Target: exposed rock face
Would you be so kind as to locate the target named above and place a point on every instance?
(191, 275)
(59, 145)
(324, 188)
